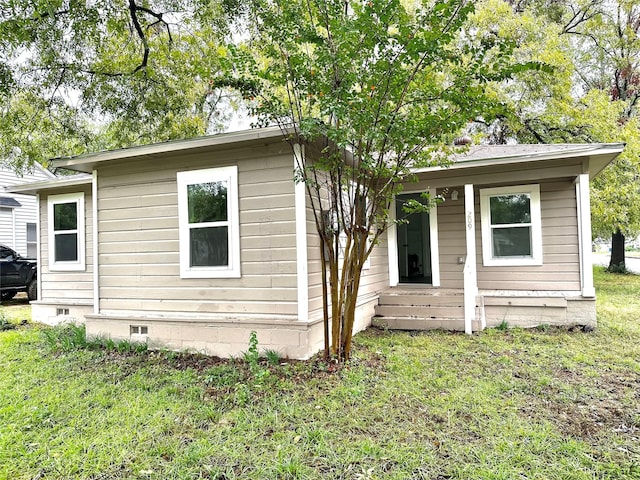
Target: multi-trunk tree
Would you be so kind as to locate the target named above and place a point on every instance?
(373, 90)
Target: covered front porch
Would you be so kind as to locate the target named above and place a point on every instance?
(524, 289)
(415, 308)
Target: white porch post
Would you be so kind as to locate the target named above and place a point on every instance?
(584, 235)
(392, 246)
(433, 242)
(470, 273)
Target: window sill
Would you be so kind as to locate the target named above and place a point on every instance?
(210, 274)
(512, 262)
(67, 268)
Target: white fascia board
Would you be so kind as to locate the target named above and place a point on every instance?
(46, 171)
(87, 163)
(34, 187)
(582, 150)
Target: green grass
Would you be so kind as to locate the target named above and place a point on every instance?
(545, 403)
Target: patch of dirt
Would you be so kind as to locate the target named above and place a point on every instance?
(187, 361)
(607, 404)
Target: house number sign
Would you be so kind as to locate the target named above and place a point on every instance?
(469, 220)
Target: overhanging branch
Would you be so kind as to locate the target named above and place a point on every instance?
(134, 8)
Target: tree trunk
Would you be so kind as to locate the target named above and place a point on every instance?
(617, 263)
(325, 298)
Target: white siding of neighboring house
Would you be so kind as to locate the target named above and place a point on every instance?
(13, 222)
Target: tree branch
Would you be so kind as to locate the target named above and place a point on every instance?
(134, 8)
(133, 11)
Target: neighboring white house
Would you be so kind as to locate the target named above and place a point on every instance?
(18, 212)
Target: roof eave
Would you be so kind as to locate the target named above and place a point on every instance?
(34, 188)
(88, 162)
(611, 150)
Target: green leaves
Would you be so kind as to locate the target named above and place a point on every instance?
(375, 88)
(123, 85)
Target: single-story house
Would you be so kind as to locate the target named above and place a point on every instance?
(124, 248)
(18, 212)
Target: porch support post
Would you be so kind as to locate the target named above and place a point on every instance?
(392, 246)
(584, 235)
(470, 273)
(433, 242)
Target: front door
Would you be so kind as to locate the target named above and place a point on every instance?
(414, 246)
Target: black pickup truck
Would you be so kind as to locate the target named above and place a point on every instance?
(17, 274)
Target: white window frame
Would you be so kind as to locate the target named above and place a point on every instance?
(33, 243)
(80, 263)
(536, 226)
(194, 177)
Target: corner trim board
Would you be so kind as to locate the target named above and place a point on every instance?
(300, 201)
(96, 269)
(584, 235)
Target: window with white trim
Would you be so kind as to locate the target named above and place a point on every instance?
(32, 240)
(66, 231)
(209, 223)
(511, 225)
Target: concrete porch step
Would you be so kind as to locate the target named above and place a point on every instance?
(420, 311)
(420, 300)
(413, 323)
(414, 308)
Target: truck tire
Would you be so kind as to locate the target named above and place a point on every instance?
(32, 290)
(7, 296)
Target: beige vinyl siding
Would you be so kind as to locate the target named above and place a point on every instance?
(66, 286)
(560, 269)
(139, 238)
(451, 240)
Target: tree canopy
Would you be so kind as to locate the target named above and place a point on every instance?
(591, 94)
(79, 76)
(376, 88)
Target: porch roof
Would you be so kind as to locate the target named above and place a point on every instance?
(596, 155)
(58, 182)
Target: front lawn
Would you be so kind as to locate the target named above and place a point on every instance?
(537, 404)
